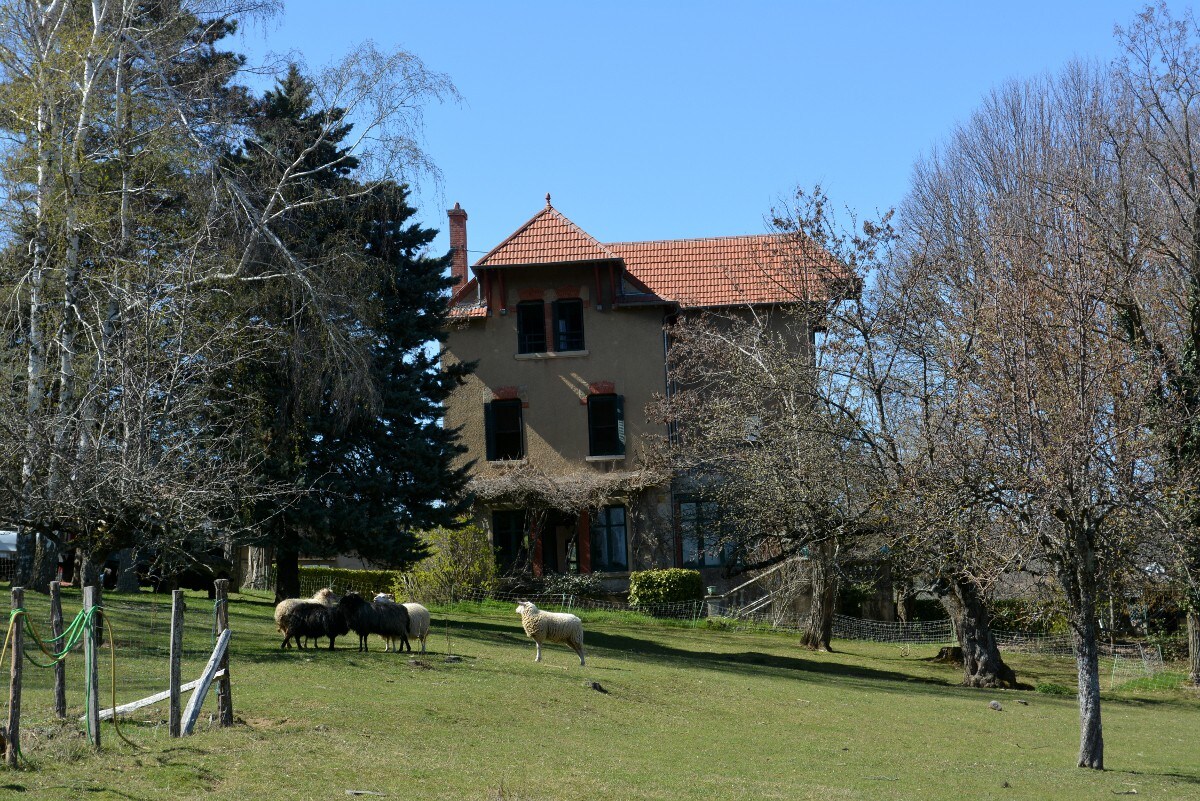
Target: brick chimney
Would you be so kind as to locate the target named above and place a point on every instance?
(458, 245)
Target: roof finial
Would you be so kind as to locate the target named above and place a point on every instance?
(547, 200)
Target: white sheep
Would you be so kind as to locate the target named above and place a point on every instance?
(551, 627)
(283, 609)
(418, 619)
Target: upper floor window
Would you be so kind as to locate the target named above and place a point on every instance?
(609, 548)
(505, 430)
(568, 324)
(606, 425)
(531, 326)
(700, 534)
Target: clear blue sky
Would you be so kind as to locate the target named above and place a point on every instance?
(656, 120)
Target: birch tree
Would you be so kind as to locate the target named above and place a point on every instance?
(131, 234)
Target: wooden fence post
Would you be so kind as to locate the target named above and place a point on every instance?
(224, 698)
(60, 667)
(192, 712)
(14, 686)
(91, 600)
(176, 713)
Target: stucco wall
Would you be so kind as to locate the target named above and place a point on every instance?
(624, 347)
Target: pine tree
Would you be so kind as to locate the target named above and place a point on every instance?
(349, 412)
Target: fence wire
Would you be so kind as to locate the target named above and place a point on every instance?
(142, 639)
(1127, 666)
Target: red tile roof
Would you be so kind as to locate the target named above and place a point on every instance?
(465, 301)
(715, 271)
(732, 270)
(548, 238)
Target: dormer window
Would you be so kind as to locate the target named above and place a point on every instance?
(531, 326)
(568, 325)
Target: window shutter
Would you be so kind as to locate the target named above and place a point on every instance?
(620, 424)
(591, 428)
(489, 431)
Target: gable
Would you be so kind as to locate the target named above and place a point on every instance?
(547, 238)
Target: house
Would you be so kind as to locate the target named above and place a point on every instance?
(571, 338)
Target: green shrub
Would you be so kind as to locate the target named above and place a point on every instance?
(1050, 688)
(364, 582)
(1021, 614)
(460, 560)
(582, 585)
(674, 585)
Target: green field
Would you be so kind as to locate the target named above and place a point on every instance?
(690, 713)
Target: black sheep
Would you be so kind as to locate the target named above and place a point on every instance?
(316, 620)
(387, 619)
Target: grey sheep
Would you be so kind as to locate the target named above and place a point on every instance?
(551, 627)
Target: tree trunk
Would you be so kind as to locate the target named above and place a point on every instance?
(1193, 629)
(1087, 660)
(904, 604)
(287, 572)
(824, 595)
(45, 565)
(87, 574)
(982, 664)
(258, 568)
(127, 578)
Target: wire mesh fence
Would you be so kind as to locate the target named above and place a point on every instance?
(1128, 666)
(136, 665)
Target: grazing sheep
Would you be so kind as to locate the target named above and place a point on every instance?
(315, 620)
(388, 619)
(283, 609)
(551, 627)
(418, 619)
(418, 623)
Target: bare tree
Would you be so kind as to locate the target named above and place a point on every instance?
(1022, 272)
(1158, 83)
(751, 436)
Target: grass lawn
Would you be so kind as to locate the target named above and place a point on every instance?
(690, 713)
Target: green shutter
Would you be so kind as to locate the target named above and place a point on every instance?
(621, 424)
(591, 428)
(489, 431)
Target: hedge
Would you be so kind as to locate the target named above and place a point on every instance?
(673, 585)
(343, 578)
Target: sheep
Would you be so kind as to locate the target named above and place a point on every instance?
(283, 609)
(418, 619)
(551, 627)
(388, 619)
(309, 619)
(418, 623)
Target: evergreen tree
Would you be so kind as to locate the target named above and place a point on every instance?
(349, 411)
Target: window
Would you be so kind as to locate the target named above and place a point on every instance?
(700, 534)
(505, 430)
(510, 539)
(568, 325)
(609, 551)
(531, 326)
(606, 425)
